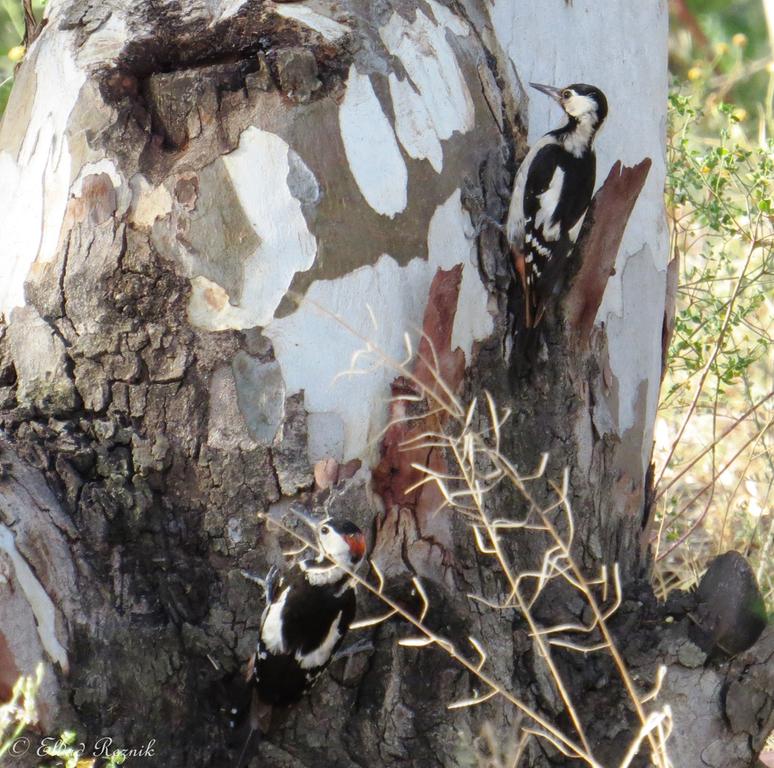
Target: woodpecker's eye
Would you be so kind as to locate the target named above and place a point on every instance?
(566, 94)
(325, 529)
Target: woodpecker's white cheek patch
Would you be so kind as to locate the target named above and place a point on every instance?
(371, 149)
(336, 548)
(320, 655)
(259, 169)
(580, 105)
(271, 629)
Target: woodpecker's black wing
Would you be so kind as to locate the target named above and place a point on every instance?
(556, 195)
(312, 611)
(300, 631)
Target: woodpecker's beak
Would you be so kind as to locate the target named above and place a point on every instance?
(549, 90)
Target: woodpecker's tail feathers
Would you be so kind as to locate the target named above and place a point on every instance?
(245, 753)
(525, 351)
(260, 715)
(258, 723)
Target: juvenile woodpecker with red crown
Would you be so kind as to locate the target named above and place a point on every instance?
(308, 612)
(551, 195)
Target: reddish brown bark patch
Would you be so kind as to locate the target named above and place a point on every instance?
(328, 472)
(395, 477)
(99, 196)
(608, 216)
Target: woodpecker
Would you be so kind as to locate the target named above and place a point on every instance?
(551, 194)
(307, 615)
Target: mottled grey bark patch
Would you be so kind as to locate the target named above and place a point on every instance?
(42, 382)
(215, 239)
(261, 396)
(301, 181)
(290, 453)
(326, 437)
(227, 429)
(749, 705)
(297, 71)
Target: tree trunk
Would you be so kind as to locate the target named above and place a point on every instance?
(207, 209)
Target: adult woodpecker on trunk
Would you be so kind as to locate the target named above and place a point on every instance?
(551, 194)
(308, 612)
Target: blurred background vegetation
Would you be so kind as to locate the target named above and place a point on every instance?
(714, 464)
(12, 34)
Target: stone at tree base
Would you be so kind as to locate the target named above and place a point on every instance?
(730, 612)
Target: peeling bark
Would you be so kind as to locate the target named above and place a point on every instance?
(597, 252)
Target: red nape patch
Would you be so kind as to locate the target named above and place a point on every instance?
(357, 544)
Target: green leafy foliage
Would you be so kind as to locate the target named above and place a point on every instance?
(719, 196)
(11, 37)
(730, 47)
(713, 432)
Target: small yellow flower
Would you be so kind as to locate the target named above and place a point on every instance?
(721, 49)
(705, 169)
(17, 53)
(739, 114)
(694, 73)
(739, 40)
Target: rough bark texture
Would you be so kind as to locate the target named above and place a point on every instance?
(211, 160)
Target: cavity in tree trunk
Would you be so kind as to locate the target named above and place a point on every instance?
(207, 208)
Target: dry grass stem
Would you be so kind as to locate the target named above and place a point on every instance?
(477, 466)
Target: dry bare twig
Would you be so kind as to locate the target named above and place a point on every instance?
(479, 467)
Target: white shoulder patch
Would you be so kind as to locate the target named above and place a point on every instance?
(549, 200)
(320, 655)
(514, 226)
(271, 627)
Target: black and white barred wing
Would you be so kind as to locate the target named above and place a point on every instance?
(554, 195)
(300, 632)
